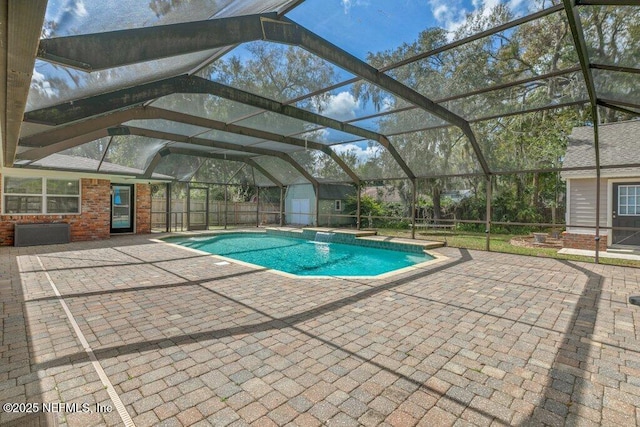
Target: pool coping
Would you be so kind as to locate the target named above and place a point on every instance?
(437, 258)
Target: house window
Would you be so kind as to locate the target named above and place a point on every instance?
(629, 200)
(338, 205)
(41, 196)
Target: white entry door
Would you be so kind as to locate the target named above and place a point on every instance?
(300, 210)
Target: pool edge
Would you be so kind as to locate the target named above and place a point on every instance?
(437, 258)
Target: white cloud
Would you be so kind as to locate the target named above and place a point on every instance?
(348, 4)
(75, 7)
(387, 103)
(450, 13)
(440, 12)
(362, 153)
(341, 107)
(40, 83)
(81, 10)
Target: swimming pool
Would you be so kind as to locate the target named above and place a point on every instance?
(303, 257)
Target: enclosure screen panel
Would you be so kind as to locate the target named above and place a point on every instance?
(401, 122)
(352, 102)
(539, 94)
(275, 71)
(615, 86)
(278, 124)
(132, 151)
(53, 83)
(280, 170)
(232, 138)
(167, 126)
(206, 106)
(217, 171)
(531, 141)
(320, 165)
(601, 23)
(369, 160)
(445, 151)
(96, 16)
(179, 166)
(503, 57)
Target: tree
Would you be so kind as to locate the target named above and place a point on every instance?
(522, 142)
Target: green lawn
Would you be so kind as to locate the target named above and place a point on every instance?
(498, 243)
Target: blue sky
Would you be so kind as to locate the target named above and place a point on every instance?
(361, 26)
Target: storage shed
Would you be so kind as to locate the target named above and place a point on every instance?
(619, 186)
(300, 204)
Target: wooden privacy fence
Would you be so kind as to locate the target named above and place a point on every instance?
(238, 213)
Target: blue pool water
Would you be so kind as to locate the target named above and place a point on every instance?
(303, 257)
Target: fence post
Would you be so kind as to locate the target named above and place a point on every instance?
(281, 206)
(488, 223)
(168, 206)
(414, 181)
(317, 221)
(225, 206)
(257, 206)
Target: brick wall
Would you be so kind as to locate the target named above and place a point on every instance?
(92, 224)
(583, 241)
(143, 208)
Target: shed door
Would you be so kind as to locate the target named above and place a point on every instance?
(626, 213)
(300, 211)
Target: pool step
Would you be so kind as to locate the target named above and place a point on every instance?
(425, 244)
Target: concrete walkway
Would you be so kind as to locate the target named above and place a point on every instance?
(604, 254)
(158, 335)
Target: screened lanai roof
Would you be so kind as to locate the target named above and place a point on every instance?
(315, 90)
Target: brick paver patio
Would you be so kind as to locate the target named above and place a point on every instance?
(478, 339)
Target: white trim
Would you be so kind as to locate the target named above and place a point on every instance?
(605, 174)
(610, 183)
(26, 172)
(567, 208)
(43, 195)
(609, 211)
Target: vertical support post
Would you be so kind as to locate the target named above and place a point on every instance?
(597, 238)
(488, 221)
(188, 206)
(257, 206)
(167, 190)
(225, 206)
(317, 220)
(281, 206)
(206, 210)
(414, 195)
(596, 145)
(358, 213)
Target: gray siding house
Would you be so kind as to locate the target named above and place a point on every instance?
(619, 186)
(300, 204)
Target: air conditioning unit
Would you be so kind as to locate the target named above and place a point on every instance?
(41, 234)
